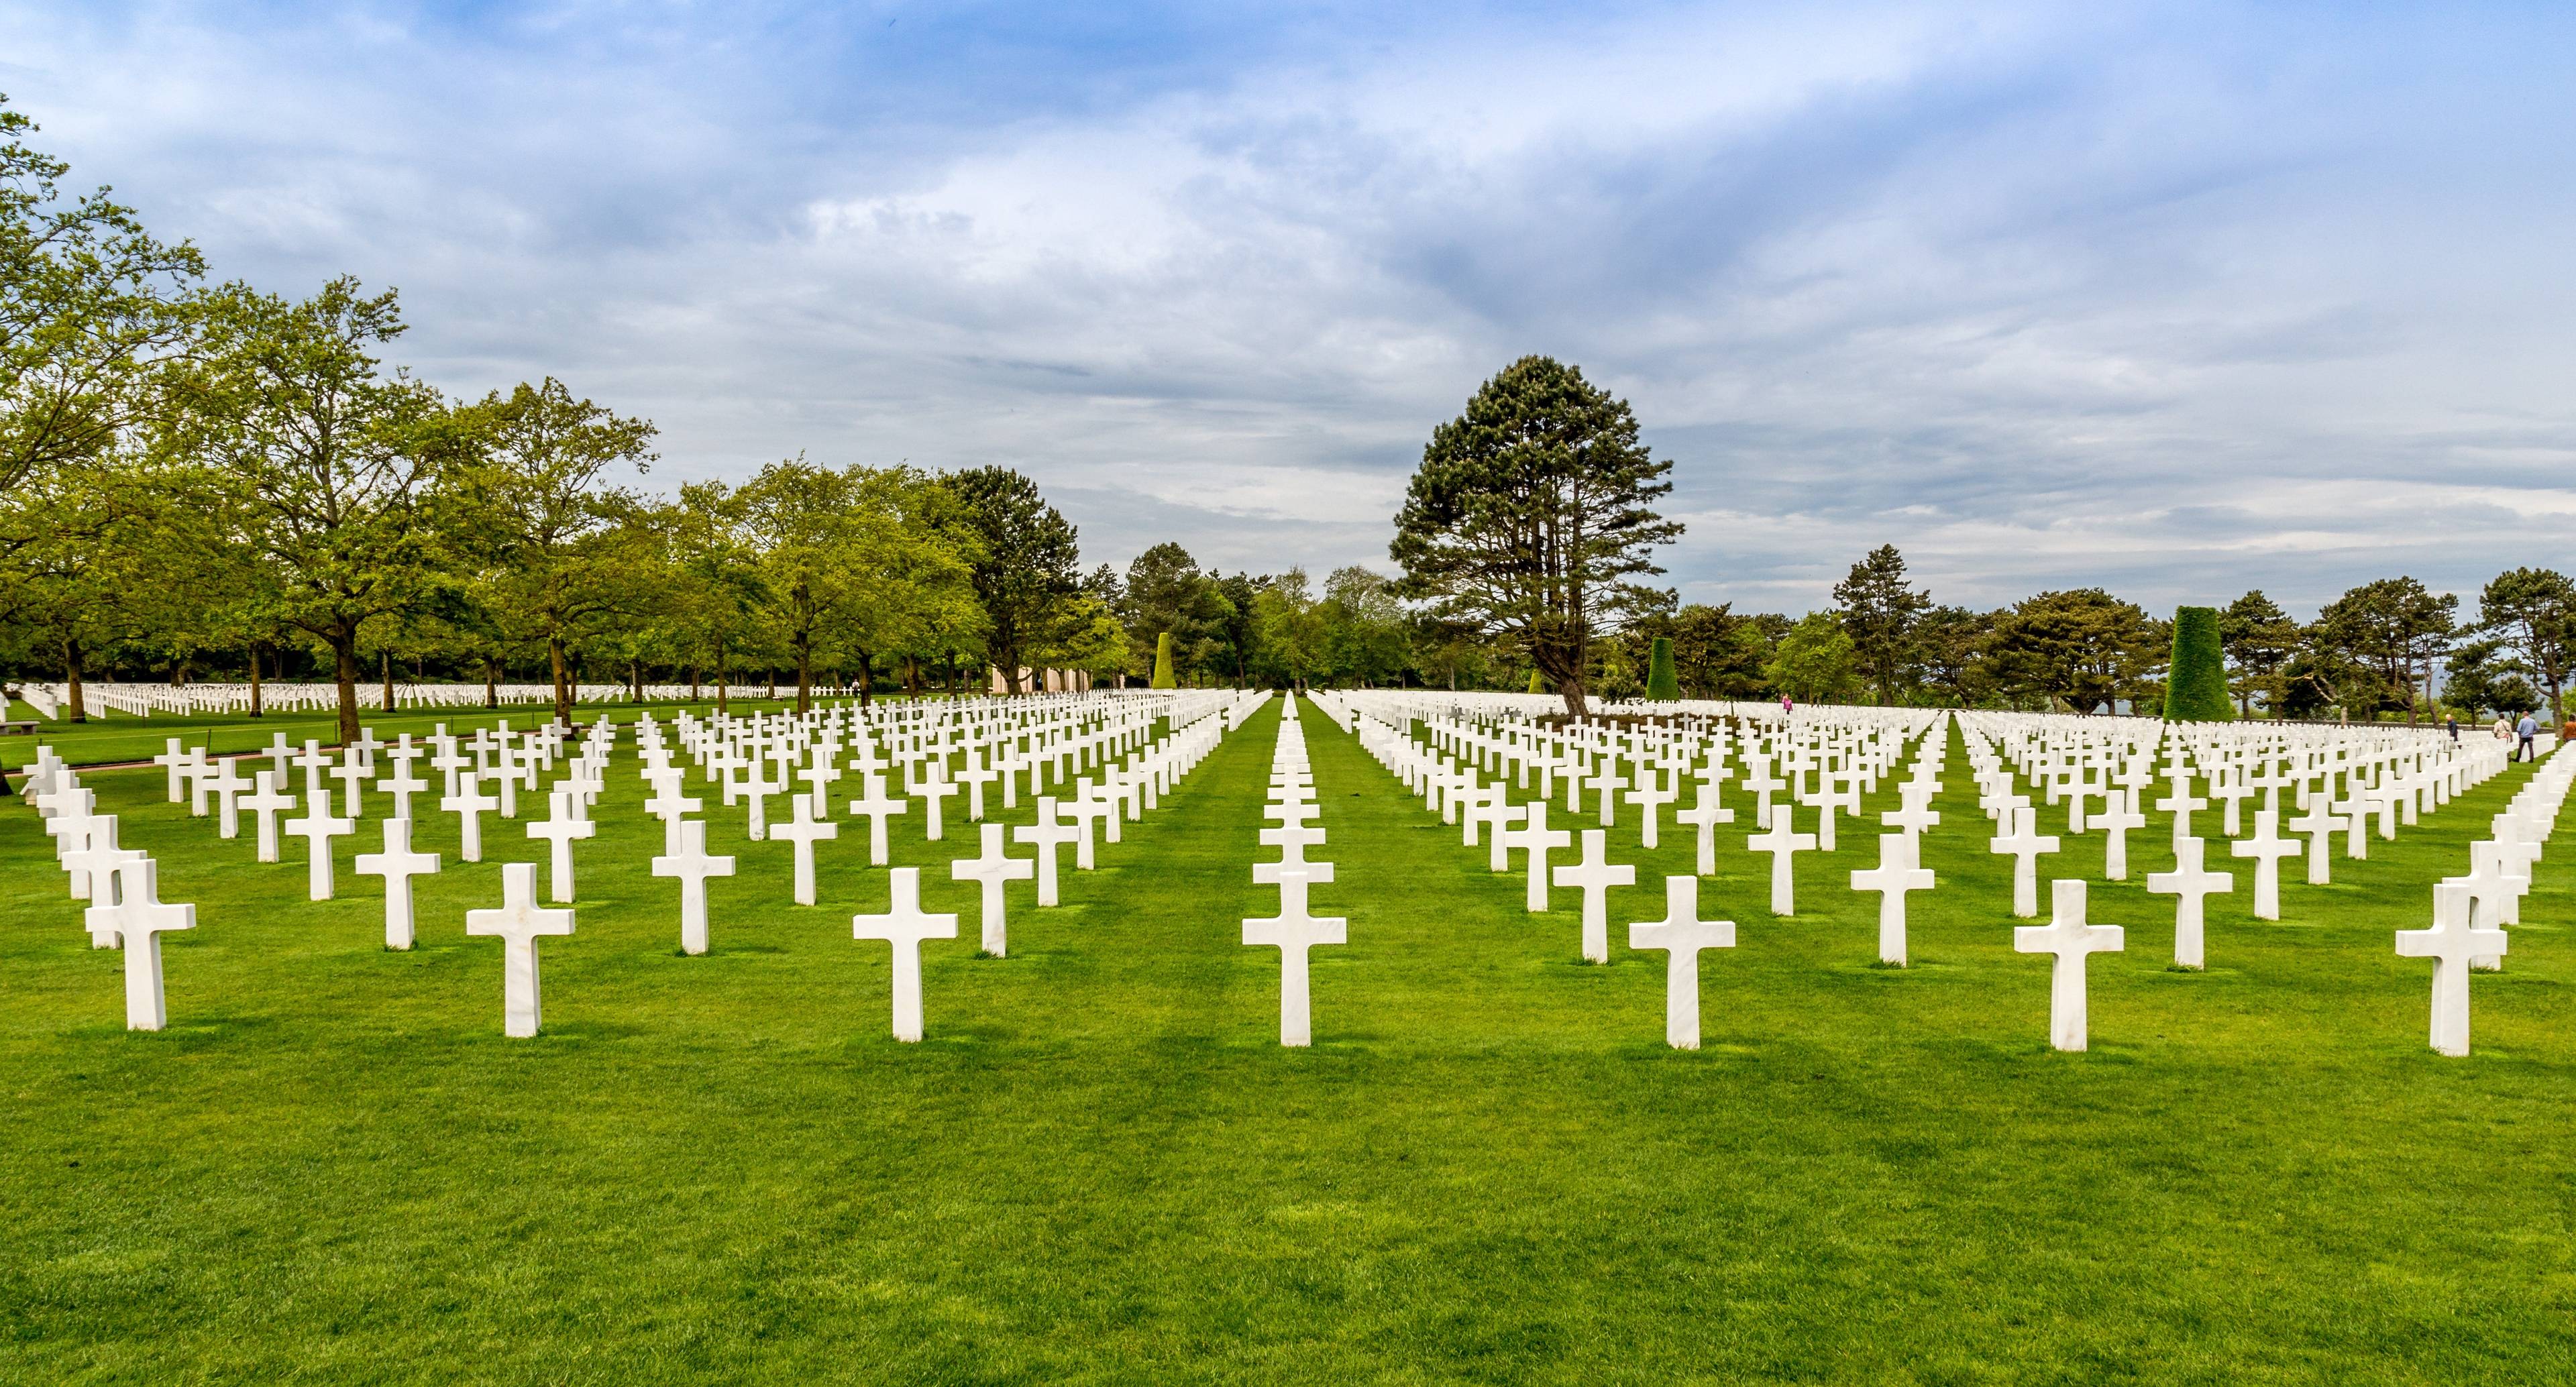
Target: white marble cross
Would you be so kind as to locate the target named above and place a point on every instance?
(2180, 803)
(559, 828)
(905, 925)
(2070, 939)
(1535, 839)
(2267, 847)
(469, 804)
(318, 828)
(1784, 845)
(671, 807)
(992, 869)
(692, 865)
(2115, 820)
(264, 806)
(1895, 874)
(1705, 815)
(1651, 795)
(2189, 883)
(520, 922)
(227, 786)
(875, 806)
(804, 831)
(2024, 844)
(2320, 828)
(1594, 876)
(402, 784)
(138, 918)
(173, 759)
(397, 864)
(1293, 931)
(1050, 833)
(934, 794)
(352, 773)
(1681, 934)
(2451, 943)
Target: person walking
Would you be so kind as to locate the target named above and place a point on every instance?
(2526, 729)
(2451, 724)
(2503, 726)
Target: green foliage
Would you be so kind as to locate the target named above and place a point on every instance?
(2531, 614)
(1881, 613)
(2079, 649)
(1163, 662)
(2389, 635)
(1023, 565)
(1532, 515)
(2260, 640)
(2196, 677)
(1662, 684)
(1815, 662)
(1536, 685)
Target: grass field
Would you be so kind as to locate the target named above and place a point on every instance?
(116, 738)
(1100, 1168)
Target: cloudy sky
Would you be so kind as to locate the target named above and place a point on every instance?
(2172, 299)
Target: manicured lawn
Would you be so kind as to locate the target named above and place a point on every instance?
(115, 737)
(1099, 1167)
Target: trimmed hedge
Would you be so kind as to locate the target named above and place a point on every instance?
(2196, 685)
(1163, 661)
(1662, 685)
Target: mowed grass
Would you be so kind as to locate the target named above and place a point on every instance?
(1101, 1168)
(114, 738)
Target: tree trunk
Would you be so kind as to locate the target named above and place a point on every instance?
(74, 698)
(257, 692)
(723, 684)
(491, 682)
(344, 672)
(697, 682)
(563, 691)
(635, 680)
(867, 677)
(804, 673)
(388, 657)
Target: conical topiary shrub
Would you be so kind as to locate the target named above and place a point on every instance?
(1662, 685)
(1163, 661)
(1535, 687)
(2196, 685)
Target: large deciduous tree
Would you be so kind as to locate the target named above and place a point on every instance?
(1532, 514)
(2082, 648)
(2259, 639)
(89, 305)
(563, 547)
(325, 458)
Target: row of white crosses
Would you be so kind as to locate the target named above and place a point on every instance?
(1290, 824)
(1681, 934)
(2469, 913)
(122, 885)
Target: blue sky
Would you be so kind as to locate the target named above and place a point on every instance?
(2172, 299)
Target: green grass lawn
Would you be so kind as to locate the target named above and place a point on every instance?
(1101, 1168)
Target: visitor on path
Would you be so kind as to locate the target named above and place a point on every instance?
(2503, 726)
(2451, 724)
(1784, 705)
(2526, 729)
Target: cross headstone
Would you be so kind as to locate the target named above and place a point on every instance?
(2188, 883)
(318, 828)
(2267, 847)
(1293, 931)
(803, 831)
(2070, 939)
(990, 871)
(264, 806)
(2320, 827)
(1895, 874)
(139, 918)
(397, 864)
(520, 923)
(1594, 876)
(2452, 942)
(562, 824)
(469, 805)
(905, 925)
(1783, 844)
(2024, 844)
(692, 865)
(1050, 833)
(875, 806)
(1681, 934)
(1535, 839)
